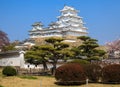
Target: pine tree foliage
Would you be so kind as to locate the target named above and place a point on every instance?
(52, 51)
(88, 48)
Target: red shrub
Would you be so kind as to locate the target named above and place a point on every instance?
(93, 72)
(111, 74)
(70, 73)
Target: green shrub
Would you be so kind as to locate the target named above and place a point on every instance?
(80, 61)
(70, 74)
(111, 74)
(9, 71)
(93, 72)
(95, 58)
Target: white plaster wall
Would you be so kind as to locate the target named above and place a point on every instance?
(14, 61)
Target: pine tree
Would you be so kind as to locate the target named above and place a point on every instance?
(88, 48)
(52, 51)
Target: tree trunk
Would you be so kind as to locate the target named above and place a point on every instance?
(54, 67)
(45, 66)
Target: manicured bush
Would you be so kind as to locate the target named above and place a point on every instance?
(9, 71)
(80, 61)
(93, 72)
(111, 74)
(70, 74)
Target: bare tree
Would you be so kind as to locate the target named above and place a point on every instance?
(113, 48)
(4, 40)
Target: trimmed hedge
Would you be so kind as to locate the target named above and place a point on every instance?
(9, 71)
(111, 74)
(70, 73)
(93, 72)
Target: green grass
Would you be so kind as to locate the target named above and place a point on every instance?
(0, 71)
(28, 77)
(1, 86)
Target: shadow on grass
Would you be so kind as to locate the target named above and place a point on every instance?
(113, 83)
(83, 83)
(69, 83)
(28, 77)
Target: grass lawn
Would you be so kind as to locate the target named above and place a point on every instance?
(38, 81)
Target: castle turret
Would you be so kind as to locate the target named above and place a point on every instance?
(36, 30)
(53, 25)
(37, 26)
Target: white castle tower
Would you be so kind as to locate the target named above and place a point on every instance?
(68, 24)
(71, 23)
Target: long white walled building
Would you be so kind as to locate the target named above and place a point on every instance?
(69, 23)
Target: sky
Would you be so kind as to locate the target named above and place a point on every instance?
(101, 17)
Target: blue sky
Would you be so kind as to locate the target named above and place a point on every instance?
(102, 17)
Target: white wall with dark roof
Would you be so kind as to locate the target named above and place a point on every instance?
(13, 60)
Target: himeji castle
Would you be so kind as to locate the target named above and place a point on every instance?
(68, 24)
